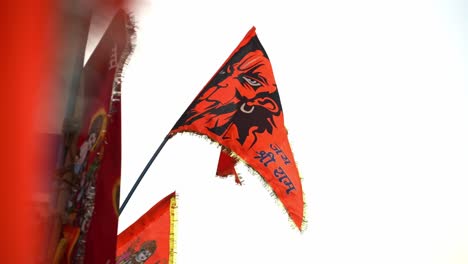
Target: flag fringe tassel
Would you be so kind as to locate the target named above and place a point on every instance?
(254, 172)
(173, 230)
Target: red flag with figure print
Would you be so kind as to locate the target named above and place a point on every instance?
(150, 239)
(240, 109)
(102, 74)
(90, 233)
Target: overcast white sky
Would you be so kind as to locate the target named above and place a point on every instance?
(375, 97)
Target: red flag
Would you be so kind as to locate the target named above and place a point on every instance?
(93, 206)
(151, 239)
(104, 69)
(240, 109)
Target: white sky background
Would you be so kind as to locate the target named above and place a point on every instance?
(375, 98)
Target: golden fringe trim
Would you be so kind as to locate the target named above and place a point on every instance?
(278, 201)
(254, 172)
(131, 43)
(124, 60)
(241, 179)
(173, 230)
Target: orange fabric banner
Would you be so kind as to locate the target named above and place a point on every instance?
(151, 239)
(240, 109)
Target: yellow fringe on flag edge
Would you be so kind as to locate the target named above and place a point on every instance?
(254, 172)
(277, 200)
(173, 230)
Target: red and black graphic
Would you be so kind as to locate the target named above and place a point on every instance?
(240, 109)
(242, 96)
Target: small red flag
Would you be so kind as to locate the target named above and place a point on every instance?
(226, 165)
(151, 239)
(240, 109)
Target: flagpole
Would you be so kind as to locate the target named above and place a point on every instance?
(135, 185)
(149, 165)
(153, 158)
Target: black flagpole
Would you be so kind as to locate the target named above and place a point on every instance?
(152, 159)
(143, 173)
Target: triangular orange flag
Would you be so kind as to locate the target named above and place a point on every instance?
(240, 109)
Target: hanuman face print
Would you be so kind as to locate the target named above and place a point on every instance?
(135, 256)
(240, 101)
